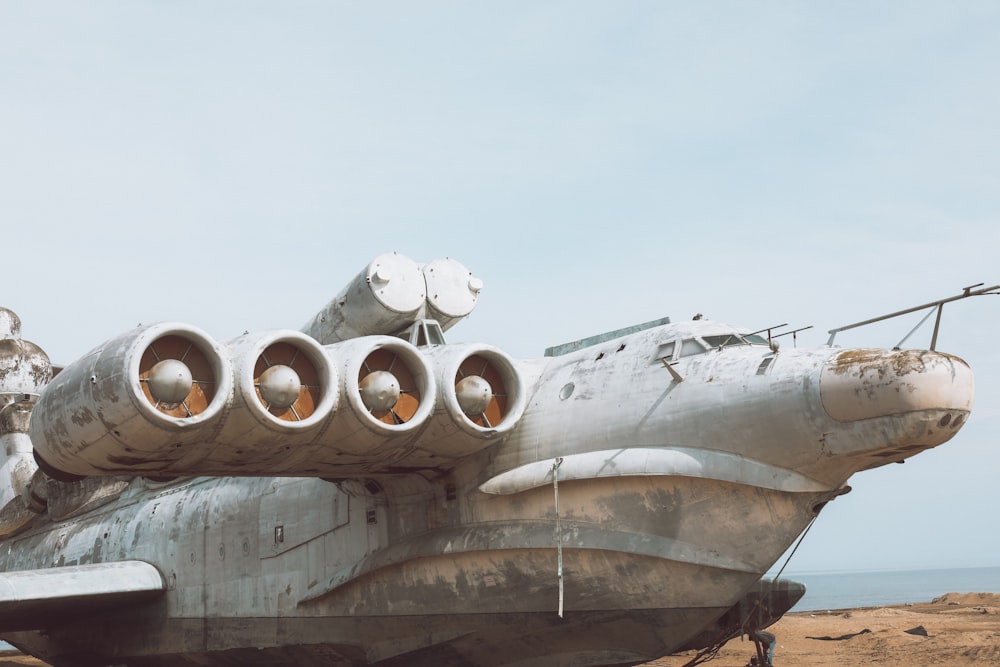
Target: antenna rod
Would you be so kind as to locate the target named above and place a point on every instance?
(792, 333)
(768, 330)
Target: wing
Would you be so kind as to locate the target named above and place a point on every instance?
(32, 599)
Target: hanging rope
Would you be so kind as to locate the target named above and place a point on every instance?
(797, 545)
(559, 541)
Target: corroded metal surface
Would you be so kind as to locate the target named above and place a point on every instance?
(420, 526)
(98, 417)
(24, 370)
(865, 384)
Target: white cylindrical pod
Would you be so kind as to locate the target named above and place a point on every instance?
(452, 291)
(286, 390)
(481, 397)
(135, 405)
(388, 394)
(385, 298)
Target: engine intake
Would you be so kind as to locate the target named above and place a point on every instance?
(481, 397)
(286, 393)
(176, 376)
(284, 379)
(389, 389)
(140, 401)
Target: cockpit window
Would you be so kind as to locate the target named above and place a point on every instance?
(724, 341)
(691, 347)
(666, 351)
(728, 340)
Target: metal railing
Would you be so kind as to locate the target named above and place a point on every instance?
(934, 306)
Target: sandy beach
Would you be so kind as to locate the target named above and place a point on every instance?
(953, 630)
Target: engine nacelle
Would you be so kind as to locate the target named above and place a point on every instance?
(388, 395)
(140, 402)
(286, 392)
(481, 397)
(166, 400)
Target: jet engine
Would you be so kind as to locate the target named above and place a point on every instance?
(166, 400)
(283, 420)
(481, 396)
(286, 391)
(389, 392)
(140, 402)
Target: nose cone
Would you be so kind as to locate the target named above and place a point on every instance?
(861, 384)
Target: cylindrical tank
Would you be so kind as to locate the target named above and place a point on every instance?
(138, 402)
(384, 298)
(452, 291)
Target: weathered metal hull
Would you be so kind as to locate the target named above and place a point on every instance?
(648, 563)
(603, 507)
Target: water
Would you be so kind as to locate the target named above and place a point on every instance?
(841, 590)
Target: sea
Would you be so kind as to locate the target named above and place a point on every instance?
(842, 590)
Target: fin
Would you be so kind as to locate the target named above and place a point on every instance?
(33, 599)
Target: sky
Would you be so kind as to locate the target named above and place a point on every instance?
(232, 165)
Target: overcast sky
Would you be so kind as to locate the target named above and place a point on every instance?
(233, 164)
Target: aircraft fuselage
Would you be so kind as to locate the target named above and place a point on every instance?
(666, 470)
